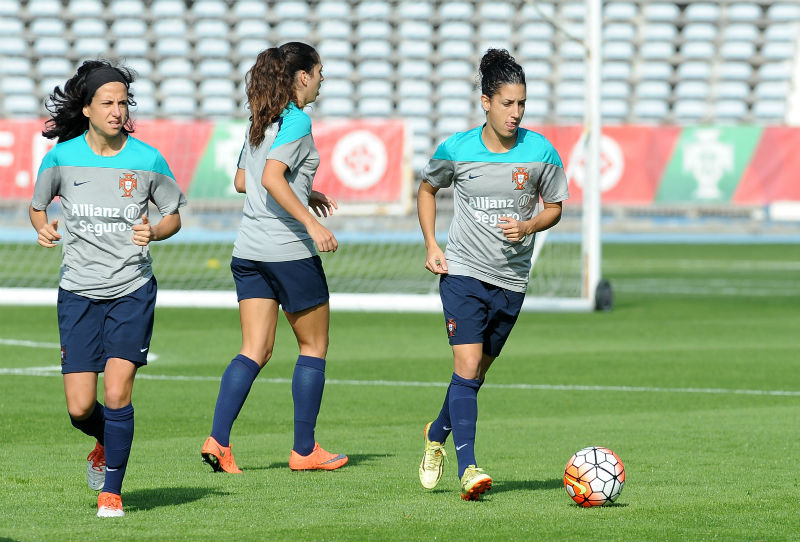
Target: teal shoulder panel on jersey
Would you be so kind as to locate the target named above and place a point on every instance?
(137, 155)
(469, 147)
(295, 125)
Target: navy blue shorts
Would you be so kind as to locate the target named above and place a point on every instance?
(297, 284)
(478, 312)
(93, 330)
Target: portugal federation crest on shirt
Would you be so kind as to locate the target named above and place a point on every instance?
(128, 184)
(520, 176)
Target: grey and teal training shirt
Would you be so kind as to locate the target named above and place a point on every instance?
(101, 198)
(268, 233)
(488, 185)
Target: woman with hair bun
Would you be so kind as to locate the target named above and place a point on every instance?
(107, 292)
(275, 261)
(498, 172)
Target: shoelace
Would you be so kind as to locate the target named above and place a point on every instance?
(432, 455)
(97, 462)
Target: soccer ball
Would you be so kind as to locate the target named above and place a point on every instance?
(594, 476)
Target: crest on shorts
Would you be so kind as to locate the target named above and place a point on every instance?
(520, 177)
(128, 184)
(63, 355)
(451, 327)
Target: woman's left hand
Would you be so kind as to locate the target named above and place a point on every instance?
(513, 229)
(142, 233)
(321, 204)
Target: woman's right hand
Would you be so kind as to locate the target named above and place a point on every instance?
(322, 237)
(435, 262)
(48, 234)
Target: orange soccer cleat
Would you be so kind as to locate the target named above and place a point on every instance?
(219, 457)
(318, 459)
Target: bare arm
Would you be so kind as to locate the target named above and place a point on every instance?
(48, 231)
(274, 180)
(426, 210)
(514, 230)
(238, 181)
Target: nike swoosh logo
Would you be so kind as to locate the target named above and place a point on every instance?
(459, 447)
(447, 428)
(109, 469)
(471, 176)
(144, 349)
(575, 484)
(220, 450)
(76, 183)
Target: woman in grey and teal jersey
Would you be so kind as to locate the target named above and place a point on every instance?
(275, 262)
(498, 172)
(104, 178)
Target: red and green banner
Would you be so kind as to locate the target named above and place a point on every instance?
(364, 164)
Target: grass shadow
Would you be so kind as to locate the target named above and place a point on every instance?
(147, 499)
(526, 485)
(353, 460)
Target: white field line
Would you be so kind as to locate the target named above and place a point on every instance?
(56, 371)
(37, 344)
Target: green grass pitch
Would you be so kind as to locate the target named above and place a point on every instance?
(692, 379)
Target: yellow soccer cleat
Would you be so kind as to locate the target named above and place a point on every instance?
(474, 482)
(431, 466)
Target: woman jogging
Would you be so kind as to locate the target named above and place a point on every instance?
(274, 257)
(107, 292)
(498, 171)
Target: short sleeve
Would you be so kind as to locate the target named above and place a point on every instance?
(48, 182)
(164, 190)
(439, 171)
(553, 185)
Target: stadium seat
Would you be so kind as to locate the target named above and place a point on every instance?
(536, 90)
(248, 50)
(50, 45)
(738, 90)
(131, 47)
(210, 28)
(613, 110)
(661, 11)
(619, 32)
(453, 88)
(414, 49)
(252, 10)
(215, 67)
(654, 70)
(570, 110)
(91, 47)
(536, 31)
(336, 69)
(692, 90)
(618, 50)
(213, 48)
(375, 107)
(13, 46)
(217, 87)
(9, 8)
(573, 70)
(15, 65)
(572, 11)
(740, 32)
(209, 9)
(334, 29)
(650, 109)
(694, 69)
(784, 11)
(737, 50)
(771, 71)
(374, 48)
(54, 67)
(44, 8)
(48, 85)
(746, 11)
(291, 9)
(46, 26)
(697, 49)
(292, 30)
(179, 106)
(446, 126)
(143, 87)
(533, 11)
(414, 88)
(456, 30)
(691, 110)
(146, 106)
(571, 50)
(657, 50)
(735, 70)
(372, 88)
(619, 11)
(770, 110)
(414, 107)
(497, 10)
(421, 30)
(454, 69)
(702, 11)
(616, 70)
(375, 69)
(370, 9)
(414, 69)
(21, 105)
(615, 89)
(336, 107)
(495, 30)
(570, 89)
(333, 9)
(89, 27)
(169, 27)
(659, 31)
(781, 32)
(449, 11)
(127, 8)
(652, 90)
(177, 86)
(11, 26)
(173, 46)
(699, 31)
(457, 107)
(769, 90)
(160, 9)
(176, 67)
(456, 49)
(414, 10)
(778, 50)
(730, 110)
(17, 84)
(334, 48)
(535, 49)
(335, 87)
(142, 66)
(219, 106)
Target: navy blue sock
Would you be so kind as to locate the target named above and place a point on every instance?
(233, 390)
(464, 415)
(118, 438)
(94, 425)
(441, 426)
(308, 382)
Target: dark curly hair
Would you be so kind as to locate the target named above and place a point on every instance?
(270, 83)
(499, 68)
(67, 120)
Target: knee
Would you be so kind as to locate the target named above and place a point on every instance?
(261, 357)
(317, 348)
(80, 412)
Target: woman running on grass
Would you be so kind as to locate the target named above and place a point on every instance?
(498, 171)
(275, 259)
(107, 292)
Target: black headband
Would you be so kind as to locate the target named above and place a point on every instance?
(99, 77)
